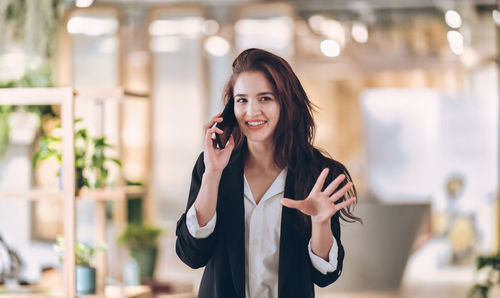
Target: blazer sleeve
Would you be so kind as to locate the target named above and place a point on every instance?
(194, 252)
(323, 280)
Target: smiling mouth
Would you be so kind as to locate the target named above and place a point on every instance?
(255, 124)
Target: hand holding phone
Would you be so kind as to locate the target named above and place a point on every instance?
(227, 125)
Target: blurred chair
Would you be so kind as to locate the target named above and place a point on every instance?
(377, 252)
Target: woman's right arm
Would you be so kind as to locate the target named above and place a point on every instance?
(192, 250)
(215, 161)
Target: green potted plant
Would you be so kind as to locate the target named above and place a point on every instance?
(491, 266)
(90, 157)
(142, 241)
(85, 270)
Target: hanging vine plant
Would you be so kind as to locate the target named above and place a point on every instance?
(33, 22)
(33, 25)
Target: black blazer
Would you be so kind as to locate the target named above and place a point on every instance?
(223, 252)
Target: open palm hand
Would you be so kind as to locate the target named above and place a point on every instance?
(320, 205)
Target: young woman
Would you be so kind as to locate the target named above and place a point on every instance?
(263, 213)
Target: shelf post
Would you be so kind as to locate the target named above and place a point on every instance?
(69, 204)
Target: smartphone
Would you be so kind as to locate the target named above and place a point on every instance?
(227, 125)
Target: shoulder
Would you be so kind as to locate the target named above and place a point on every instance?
(200, 163)
(199, 166)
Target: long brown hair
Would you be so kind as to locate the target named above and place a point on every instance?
(295, 130)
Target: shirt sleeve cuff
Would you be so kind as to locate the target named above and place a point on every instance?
(194, 228)
(321, 265)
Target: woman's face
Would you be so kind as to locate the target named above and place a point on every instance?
(256, 107)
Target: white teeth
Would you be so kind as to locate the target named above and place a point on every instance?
(255, 123)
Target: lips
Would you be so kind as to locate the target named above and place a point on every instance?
(255, 124)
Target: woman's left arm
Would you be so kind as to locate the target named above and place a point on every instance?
(321, 238)
(322, 277)
(321, 205)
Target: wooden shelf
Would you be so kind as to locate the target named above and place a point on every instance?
(111, 194)
(110, 292)
(65, 98)
(35, 96)
(33, 194)
(107, 194)
(124, 292)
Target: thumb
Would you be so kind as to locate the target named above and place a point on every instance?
(290, 203)
(230, 142)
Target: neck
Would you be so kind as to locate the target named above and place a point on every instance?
(260, 156)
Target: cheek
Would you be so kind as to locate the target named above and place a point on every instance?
(238, 113)
(276, 112)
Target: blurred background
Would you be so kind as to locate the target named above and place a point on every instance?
(407, 96)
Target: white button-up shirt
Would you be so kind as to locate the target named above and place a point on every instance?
(262, 239)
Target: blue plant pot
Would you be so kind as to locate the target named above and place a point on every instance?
(146, 259)
(85, 280)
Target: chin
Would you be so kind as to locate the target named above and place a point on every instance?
(259, 139)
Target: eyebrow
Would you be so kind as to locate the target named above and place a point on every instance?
(259, 94)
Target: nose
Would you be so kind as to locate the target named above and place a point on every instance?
(253, 108)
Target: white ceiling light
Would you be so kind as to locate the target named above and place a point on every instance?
(92, 26)
(189, 26)
(453, 19)
(333, 30)
(210, 27)
(359, 32)
(456, 41)
(83, 3)
(330, 48)
(315, 22)
(496, 16)
(217, 46)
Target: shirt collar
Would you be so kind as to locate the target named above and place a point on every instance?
(277, 187)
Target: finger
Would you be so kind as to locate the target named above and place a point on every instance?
(209, 135)
(319, 183)
(341, 192)
(345, 203)
(213, 121)
(218, 130)
(291, 203)
(213, 130)
(334, 184)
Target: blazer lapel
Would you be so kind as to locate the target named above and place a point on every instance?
(233, 216)
(287, 234)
